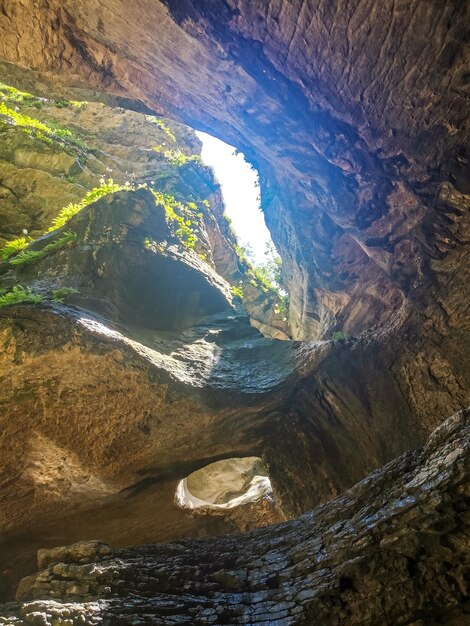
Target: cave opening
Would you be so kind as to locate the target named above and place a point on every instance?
(239, 181)
(237, 488)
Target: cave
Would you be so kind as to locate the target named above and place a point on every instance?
(182, 440)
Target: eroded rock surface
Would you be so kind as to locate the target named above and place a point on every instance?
(108, 405)
(356, 118)
(355, 115)
(392, 550)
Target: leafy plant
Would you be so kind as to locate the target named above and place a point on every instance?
(178, 158)
(95, 194)
(46, 132)
(183, 219)
(237, 292)
(31, 256)
(59, 295)
(20, 295)
(13, 247)
(339, 336)
(282, 306)
(161, 124)
(66, 135)
(30, 125)
(10, 94)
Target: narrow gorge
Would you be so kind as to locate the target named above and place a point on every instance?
(184, 438)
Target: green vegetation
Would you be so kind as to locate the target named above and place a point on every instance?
(161, 124)
(31, 256)
(10, 94)
(178, 158)
(46, 132)
(30, 125)
(13, 247)
(266, 276)
(95, 194)
(23, 295)
(238, 292)
(17, 246)
(66, 135)
(183, 219)
(339, 336)
(62, 103)
(59, 295)
(20, 295)
(283, 306)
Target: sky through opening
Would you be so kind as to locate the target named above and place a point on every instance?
(240, 190)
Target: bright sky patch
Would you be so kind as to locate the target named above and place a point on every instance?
(241, 193)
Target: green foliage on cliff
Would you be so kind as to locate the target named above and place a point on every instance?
(23, 295)
(161, 124)
(66, 135)
(13, 247)
(60, 294)
(266, 276)
(30, 125)
(184, 219)
(44, 131)
(178, 158)
(31, 256)
(95, 194)
(20, 295)
(10, 94)
(237, 292)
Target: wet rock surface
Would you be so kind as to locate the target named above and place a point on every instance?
(391, 550)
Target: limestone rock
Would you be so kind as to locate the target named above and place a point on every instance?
(355, 117)
(391, 550)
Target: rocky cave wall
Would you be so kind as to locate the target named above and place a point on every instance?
(355, 117)
(40, 175)
(391, 551)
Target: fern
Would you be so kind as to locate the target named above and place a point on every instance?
(20, 295)
(95, 194)
(31, 256)
(59, 295)
(161, 124)
(13, 247)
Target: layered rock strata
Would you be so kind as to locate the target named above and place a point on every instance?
(391, 550)
(140, 379)
(356, 117)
